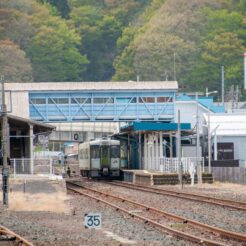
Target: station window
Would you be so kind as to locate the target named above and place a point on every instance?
(80, 100)
(38, 100)
(146, 99)
(58, 101)
(164, 99)
(101, 100)
(225, 151)
(126, 100)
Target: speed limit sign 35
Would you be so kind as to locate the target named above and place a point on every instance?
(93, 220)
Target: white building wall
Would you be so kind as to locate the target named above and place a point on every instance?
(20, 103)
(188, 111)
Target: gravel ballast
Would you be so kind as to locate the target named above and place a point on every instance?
(45, 215)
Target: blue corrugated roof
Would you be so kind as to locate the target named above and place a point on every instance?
(204, 101)
(157, 126)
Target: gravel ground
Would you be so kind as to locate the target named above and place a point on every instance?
(217, 189)
(45, 215)
(229, 219)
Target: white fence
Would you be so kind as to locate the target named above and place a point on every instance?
(31, 166)
(171, 165)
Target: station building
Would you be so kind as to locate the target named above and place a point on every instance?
(86, 110)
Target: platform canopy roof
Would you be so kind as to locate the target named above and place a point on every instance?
(227, 124)
(22, 123)
(156, 126)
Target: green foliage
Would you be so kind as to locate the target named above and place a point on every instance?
(60, 6)
(97, 40)
(223, 44)
(48, 40)
(54, 55)
(14, 64)
(224, 49)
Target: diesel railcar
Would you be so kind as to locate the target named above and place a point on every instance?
(100, 158)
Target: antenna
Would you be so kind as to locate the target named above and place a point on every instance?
(174, 66)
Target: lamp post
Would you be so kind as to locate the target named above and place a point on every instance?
(210, 92)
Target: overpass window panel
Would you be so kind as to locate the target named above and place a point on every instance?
(146, 99)
(101, 100)
(164, 99)
(80, 100)
(58, 101)
(126, 100)
(38, 100)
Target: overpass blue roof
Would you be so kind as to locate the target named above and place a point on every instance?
(204, 101)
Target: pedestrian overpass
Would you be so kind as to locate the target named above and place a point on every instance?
(102, 101)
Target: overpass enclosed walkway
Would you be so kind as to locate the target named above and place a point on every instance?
(97, 101)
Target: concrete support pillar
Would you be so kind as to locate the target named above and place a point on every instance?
(157, 157)
(152, 151)
(145, 151)
(215, 148)
(149, 152)
(161, 145)
(128, 151)
(31, 148)
(171, 145)
(140, 151)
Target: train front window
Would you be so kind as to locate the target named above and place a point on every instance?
(95, 151)
(115, 151)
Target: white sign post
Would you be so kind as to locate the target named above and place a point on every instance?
(43, 139)
(93, 220)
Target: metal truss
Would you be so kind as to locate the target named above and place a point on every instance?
(117, 106)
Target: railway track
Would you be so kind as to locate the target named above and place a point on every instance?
(9, 236)
(184, 195)
(167, 222)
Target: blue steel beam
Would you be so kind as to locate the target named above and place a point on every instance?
(96, 106)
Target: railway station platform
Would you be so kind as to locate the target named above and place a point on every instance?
(144, 177)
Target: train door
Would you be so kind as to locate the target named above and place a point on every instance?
(105, 159)
(95, 157)
(115, 157)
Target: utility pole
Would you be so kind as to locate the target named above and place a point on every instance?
(198, 163)
(174, 66)
(179, 150)
(222, 85)
(5, 171)
(209, 143)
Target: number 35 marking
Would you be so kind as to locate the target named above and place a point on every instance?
(93, 220)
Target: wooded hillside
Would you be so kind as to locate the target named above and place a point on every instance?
(95, 40)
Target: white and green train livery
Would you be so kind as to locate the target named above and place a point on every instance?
(100, 158)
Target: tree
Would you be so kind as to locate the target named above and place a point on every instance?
(14, 64)
(61, 5)
(54, 55)
(224, 49)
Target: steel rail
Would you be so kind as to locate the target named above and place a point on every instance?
(227, 234)
(6, 231)
(189, 196)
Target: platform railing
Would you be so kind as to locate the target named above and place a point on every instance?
(26, 166)
(171, 165)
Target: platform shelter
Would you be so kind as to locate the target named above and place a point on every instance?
(147, 142)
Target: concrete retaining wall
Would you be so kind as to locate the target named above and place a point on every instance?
(230, 174)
